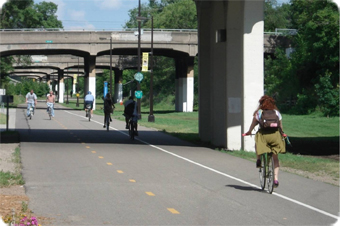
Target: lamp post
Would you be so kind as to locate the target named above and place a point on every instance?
(151, 117)
(110, 62)
(138, 85)
(66, 91)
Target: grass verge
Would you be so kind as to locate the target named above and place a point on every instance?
(12, 178)
(2, 118)
(328, 169)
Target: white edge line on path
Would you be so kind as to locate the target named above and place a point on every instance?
(221, 173)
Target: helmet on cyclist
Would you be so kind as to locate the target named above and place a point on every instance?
(89, 92)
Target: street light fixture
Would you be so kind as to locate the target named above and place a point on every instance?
(110, 62)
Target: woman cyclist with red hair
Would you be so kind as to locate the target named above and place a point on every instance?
(268, 140)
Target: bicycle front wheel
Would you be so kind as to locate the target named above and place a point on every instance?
(107, 122)
(270, 178)
(262, 172)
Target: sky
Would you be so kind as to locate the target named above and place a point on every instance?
(94, 14)
(97, 14)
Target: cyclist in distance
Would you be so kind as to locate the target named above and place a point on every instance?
(108, 107)
(130, 110)
(89, 99)
(267, 141)
(50, 101)
(31, 100)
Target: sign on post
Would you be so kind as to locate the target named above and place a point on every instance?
(139, 76)
(105, 88)
(145, 62)
(3, 98)
(138, 94)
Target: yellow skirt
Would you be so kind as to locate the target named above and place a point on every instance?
(269, 142)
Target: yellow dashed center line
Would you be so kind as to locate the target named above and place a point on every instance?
(150, 193)
(133, 181)
(101, 157)
(87, 146)
(173, 211)
(93, 151)
(109, 163)
(119, 171)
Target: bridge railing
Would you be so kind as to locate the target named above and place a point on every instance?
(283, 31)
(123, 29)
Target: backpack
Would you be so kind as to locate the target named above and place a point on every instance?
(269, 120)
(129, 109)
(107, 105)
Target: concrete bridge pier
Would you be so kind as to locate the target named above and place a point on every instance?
(90, 77)
(48, 80)
(230, 70)
(184, 84)
(61, 86)
(118, 95)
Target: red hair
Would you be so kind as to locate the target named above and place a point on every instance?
(266, 103)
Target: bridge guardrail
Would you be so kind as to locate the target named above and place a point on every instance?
(123, 29)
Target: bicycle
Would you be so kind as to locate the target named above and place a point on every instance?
(31, 112)
(132, 127)
(49, 111)
(88, 111)
(107, 121)
(266, 172)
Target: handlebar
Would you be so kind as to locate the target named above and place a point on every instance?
(244, 134)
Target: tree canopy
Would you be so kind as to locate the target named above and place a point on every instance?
(309, 77)
(26, 14)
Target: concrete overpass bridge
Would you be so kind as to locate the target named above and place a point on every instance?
(90, 46)
(231, 45)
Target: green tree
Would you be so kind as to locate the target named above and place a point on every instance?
(313, 66)
(276, 16)
(26, 14)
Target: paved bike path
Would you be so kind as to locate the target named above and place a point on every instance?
(205, 186)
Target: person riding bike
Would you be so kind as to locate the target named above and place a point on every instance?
(130, 111)
(89, 99)
(267, 141)
(50, 101)
(108, 108)
(31, 100)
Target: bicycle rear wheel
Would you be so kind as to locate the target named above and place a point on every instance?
(49, 113)
(262, 172)
(270, 178)
(132, 130)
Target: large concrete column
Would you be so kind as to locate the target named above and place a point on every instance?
(253, 75)
(184, 90)
(90, 77)
(48, 80)
(230, 38)
(61, 86)
(118, 95)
